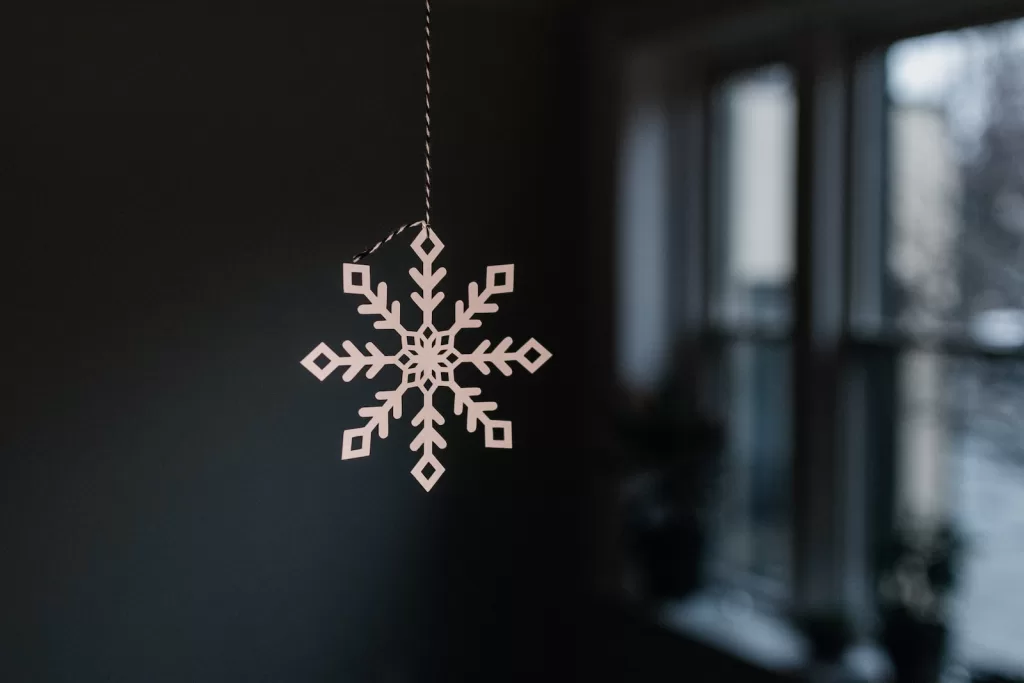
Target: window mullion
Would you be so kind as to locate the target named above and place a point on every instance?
(696, 352)
(871, 390)
(687, 114)
(818, 497)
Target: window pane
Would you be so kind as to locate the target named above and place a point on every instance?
(643, 332)
(961, 439)
(955, 249)
(756, 156)
(754, 536)
(954, 263)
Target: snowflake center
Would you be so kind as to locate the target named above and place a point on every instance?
(428, 359)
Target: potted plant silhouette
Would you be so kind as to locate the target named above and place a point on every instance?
(674, 452)
(916, 587)
(829, 633)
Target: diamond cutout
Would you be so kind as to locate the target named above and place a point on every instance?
(539, 353)
(322, 351)
(499, 279)
(437, 469)
(355, 444)
(498, 434)
(356, 278)
(427, 245)
(405, 360)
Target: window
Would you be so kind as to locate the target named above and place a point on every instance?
(753, 160)
(755, 113)
(955, 264)
(852, 248)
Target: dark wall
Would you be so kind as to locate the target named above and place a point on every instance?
(179, 192)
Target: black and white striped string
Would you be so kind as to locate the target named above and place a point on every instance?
(425, 223)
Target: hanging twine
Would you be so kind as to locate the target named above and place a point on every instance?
(425, 223)
(426, 99)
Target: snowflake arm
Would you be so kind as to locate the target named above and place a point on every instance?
(427, 438)
(426, 277)
(497, 433)
(500, 356)
(356, 280)
(355, 361)
(356, 442)
(499, 281)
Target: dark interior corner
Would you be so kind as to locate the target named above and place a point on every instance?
(179, 190)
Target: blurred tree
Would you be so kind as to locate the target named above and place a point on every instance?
(990, 249)
(991, 254)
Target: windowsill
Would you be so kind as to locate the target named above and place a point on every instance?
(760, 639)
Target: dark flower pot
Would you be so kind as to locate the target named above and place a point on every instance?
(670, 556)
(828, 636)
(675, 461)
(915, 648)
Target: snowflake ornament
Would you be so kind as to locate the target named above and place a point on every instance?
(427, 359)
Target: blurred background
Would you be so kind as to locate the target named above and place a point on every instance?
(775, 247)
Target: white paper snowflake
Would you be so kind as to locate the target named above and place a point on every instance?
(427, 359)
